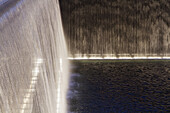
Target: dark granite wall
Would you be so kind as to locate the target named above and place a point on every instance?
(117, 26)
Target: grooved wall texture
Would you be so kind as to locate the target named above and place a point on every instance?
(140, 27)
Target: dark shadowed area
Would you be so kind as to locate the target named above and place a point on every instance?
(121, 86)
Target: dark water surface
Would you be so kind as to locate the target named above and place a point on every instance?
(119, 86)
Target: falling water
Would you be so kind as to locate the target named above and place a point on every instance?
(117, 28)
(33, 57)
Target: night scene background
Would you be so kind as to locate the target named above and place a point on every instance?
(118, 28)
(84, 56)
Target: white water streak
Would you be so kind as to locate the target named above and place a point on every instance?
(33, 82)
(32, 29)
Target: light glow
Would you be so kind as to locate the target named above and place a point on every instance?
(27, 98)
(116, 58)
(119, 56)
(59, 85)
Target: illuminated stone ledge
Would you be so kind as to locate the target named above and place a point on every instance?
(119, 56)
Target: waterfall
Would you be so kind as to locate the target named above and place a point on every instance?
(33, 57)
(117, 28)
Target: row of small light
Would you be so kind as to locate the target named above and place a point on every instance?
(33, 82)
(116, 58)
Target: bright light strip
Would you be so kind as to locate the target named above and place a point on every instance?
(117, 58)
(125, 54)
(61, 64)
(59, 92)
(33, 82)
(59, 85)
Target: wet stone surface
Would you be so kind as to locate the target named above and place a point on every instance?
(119, 87)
